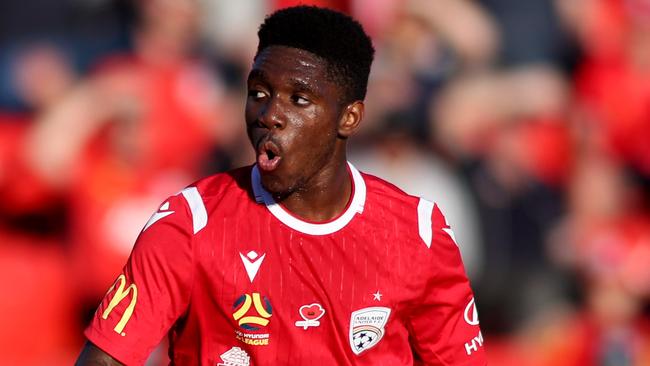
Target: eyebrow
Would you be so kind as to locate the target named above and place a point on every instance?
(297, 84)
(303, 86)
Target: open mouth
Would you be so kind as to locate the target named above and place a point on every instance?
(268, 156)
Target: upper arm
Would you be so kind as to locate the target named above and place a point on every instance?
(444, 325)
(154, 288)
(91, 355)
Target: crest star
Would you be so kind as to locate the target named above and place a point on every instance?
(377, 296)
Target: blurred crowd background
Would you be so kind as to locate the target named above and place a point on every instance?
(528, 121)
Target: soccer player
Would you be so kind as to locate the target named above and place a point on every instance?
(299, 259)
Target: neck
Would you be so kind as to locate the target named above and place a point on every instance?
(325, 196)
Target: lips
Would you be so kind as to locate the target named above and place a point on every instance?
(268, 156)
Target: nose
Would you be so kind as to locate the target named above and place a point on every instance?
(272, 115)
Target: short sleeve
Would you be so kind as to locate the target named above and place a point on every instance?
(444, 326)
(152, 291)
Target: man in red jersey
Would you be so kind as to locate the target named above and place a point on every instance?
(299, 259)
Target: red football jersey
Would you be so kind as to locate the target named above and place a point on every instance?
(234, 279)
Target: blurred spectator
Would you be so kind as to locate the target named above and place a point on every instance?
(531, 33)
(606, 234)
(112, 144)
(229, 28)
(32, 225)
(419, 51)
(84, 30)
(618, 118)
(43, 75)
(135, 155)
(605, 240)
(508, 130)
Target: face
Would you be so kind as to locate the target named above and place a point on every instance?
(293, 118)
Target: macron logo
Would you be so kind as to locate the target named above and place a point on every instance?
(161, 213)
(252, 262)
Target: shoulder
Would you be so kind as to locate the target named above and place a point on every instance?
(190, 207)
(237, 181)
(414, 214)
(380, 190)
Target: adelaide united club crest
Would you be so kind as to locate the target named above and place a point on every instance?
(367, 327)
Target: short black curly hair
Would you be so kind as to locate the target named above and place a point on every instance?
(335, 37)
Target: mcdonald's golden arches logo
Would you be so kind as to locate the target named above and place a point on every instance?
(121, 292)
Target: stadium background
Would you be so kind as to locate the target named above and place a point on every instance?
(527, 120)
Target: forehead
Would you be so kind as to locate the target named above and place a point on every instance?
(281, 64)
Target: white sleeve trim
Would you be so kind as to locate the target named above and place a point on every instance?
(199, 214)
(425, 209)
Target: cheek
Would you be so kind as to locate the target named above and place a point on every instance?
(317, 141)
(250, 116)
(320, 122)
(312, 132)
(250, 112)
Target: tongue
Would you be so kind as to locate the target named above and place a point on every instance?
(267, 164)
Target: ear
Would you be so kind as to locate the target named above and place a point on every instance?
(351, 119)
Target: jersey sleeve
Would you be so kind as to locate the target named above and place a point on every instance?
(444, 327)
(153, 289)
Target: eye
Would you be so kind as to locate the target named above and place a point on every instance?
(256, 94)
(300, 100)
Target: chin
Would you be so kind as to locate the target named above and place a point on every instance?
(276, 186)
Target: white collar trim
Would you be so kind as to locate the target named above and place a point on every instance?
(356, 206)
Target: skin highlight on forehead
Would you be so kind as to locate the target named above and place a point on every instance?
(306, 63)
